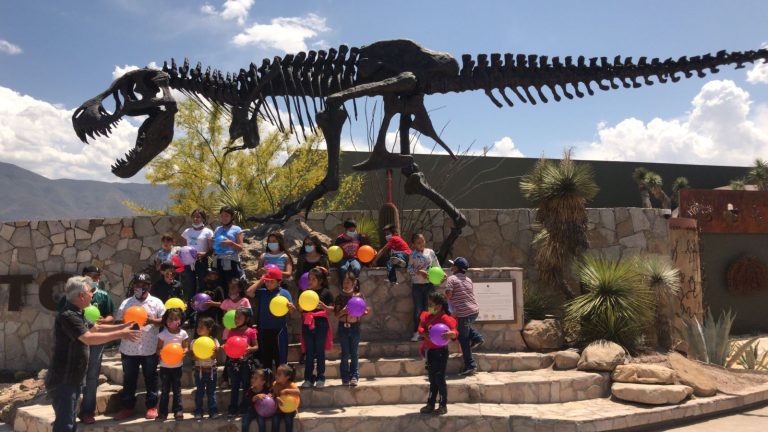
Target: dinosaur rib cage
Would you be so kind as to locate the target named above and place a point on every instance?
(316, 74)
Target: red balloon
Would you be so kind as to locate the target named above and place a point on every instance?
(235, 347)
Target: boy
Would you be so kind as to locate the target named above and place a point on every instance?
(460, 291)
(397, 250)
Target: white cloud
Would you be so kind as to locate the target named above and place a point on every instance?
(758, 73)
(287, 34)
(231, 10)
(723, 128)
(504, 148)
(122, 70)
(38, 136)
(9, 48)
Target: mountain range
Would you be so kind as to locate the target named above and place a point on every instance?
(25, 195)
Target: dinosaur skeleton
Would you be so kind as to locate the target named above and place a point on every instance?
(316, 84)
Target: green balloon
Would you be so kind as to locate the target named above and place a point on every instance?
(229, 319)
(92, 313)
(435, 275)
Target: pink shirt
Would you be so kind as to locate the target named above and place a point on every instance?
(228, 304)
(248, 333)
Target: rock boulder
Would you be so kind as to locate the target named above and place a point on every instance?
(693, 374)
(651, 394)
(543, 335)
(644, 374)
(565, 360)
(602, 355)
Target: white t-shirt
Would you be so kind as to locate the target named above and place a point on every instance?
(210, 362)
(198, 238)
(147, 343)
(169, 338)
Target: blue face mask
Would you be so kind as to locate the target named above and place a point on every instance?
(273, 246)
(309, 248)
(351, 234)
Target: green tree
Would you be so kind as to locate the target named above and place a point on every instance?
(758, 175)
(560, 191)
(200, 173)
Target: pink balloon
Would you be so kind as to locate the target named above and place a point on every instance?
(269, 266)
(436, 334)
(304, 281)
(266, 407)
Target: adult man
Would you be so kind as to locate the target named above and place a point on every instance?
(71, 338)
(460, 291)
(141, 352)
(102, 300)
(349, 242)
(167, 286)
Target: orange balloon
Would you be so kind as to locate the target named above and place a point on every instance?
(366, 254)
(172, 354)
(136, 314)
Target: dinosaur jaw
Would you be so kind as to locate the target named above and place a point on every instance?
(154, 136)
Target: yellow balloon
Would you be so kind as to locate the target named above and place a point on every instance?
(288, 403)
(335, 254)
(203, 347)
(278, 306)
(175, 303)
(308, 300)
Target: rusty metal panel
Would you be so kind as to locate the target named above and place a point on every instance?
(726, 211)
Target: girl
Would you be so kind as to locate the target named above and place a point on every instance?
(170, 374)
(261, 387)
(276, 254)
(205, 372)
(349, 329)
(235, 297)
(312, 254)
(437, 356)
(316, 329)
(284, 386)
(419, 262)
(239, 370)
(227, 243)
(197, 236)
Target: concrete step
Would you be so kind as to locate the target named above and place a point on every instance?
(379, 367)
(541, 386)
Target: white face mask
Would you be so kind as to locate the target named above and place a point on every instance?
(309, 248)
(198, 226)
(388, 236)
(273, 246)
(351, 233)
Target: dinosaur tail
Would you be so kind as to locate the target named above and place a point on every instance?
(526, 76)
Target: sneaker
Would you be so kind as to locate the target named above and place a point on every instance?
(224, 384)
(427, 409)
(353, 382)
(306, 384)
(344, 382)
(477, 344)
(468, 371)
(230, 417)
(416, 337)
(178, 416)
(87, 419)
(397, 262)
(151, 414)
(320, 384)
(214, 416)
(442, 409)
(124, 414)
(199, 417)
(161, 417)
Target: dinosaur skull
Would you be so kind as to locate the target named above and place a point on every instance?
(137, 93)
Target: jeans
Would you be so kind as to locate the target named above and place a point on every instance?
(170, 378)
(349, 264)
(88, 404)
(315, 343)
(205, 384)
(239, 378)
(64, 400)
(391, 268)
(281, 416)
(468, 335)
(437, 360)
(193, 278)
(420, 292)
(349, 338)
(131, 374)
(250, 416)
(235, 271)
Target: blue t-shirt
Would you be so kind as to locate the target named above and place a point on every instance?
(266, 320)
(280, 260)
(222, 233)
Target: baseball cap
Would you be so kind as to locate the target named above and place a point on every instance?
(142, 278)
(91, 269)
(460, 262)
(350, 223)
(272, 274)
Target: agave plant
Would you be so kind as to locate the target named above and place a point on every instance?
(750, 358)
(615, 306)
(709, 341)
(663, 280)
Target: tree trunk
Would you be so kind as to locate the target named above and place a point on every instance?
(645, 198)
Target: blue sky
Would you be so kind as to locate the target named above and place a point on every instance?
(55, 55)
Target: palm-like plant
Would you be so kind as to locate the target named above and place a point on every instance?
(758, 175)
(560, 191)
(655, 184)
(639, 175)
(616, 305)
(738, 184)
(663, 280)
(679, 184)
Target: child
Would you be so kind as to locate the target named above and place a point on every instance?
(226, 244)
(316, 329)
(459, 290)
(273, 330)
(421, 259)
(197, 237)
(349, 330)
(261, 387)
(276, 254)
(164, 254)
(396, 249)
(167, 286)
(312, 254)
(437, 356)
(284, 386)
(212, 287)
(235, 297)
(239, 370)
(205, 372)
(170, 374)
(349, 242)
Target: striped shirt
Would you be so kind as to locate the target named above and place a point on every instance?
(463, 299)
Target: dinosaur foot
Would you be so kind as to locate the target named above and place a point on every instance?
(384, 160)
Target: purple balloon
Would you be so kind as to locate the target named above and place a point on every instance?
(436, 334)
(198, 301)
(188, 255)
(266, 407)
(304, 281)
(356, 307)
(269, 266)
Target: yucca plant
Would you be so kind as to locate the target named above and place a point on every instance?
(368, 226)
(639, 176)
(663, 280)
(537, 304)
(615, 306)
(758, 175)
(751, 359)
(709, 341)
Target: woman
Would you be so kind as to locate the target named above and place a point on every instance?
(227, 243)
(198, 237)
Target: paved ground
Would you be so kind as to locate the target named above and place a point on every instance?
(749, 421)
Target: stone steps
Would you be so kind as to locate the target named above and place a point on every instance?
(378, 367)
(541, 386)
